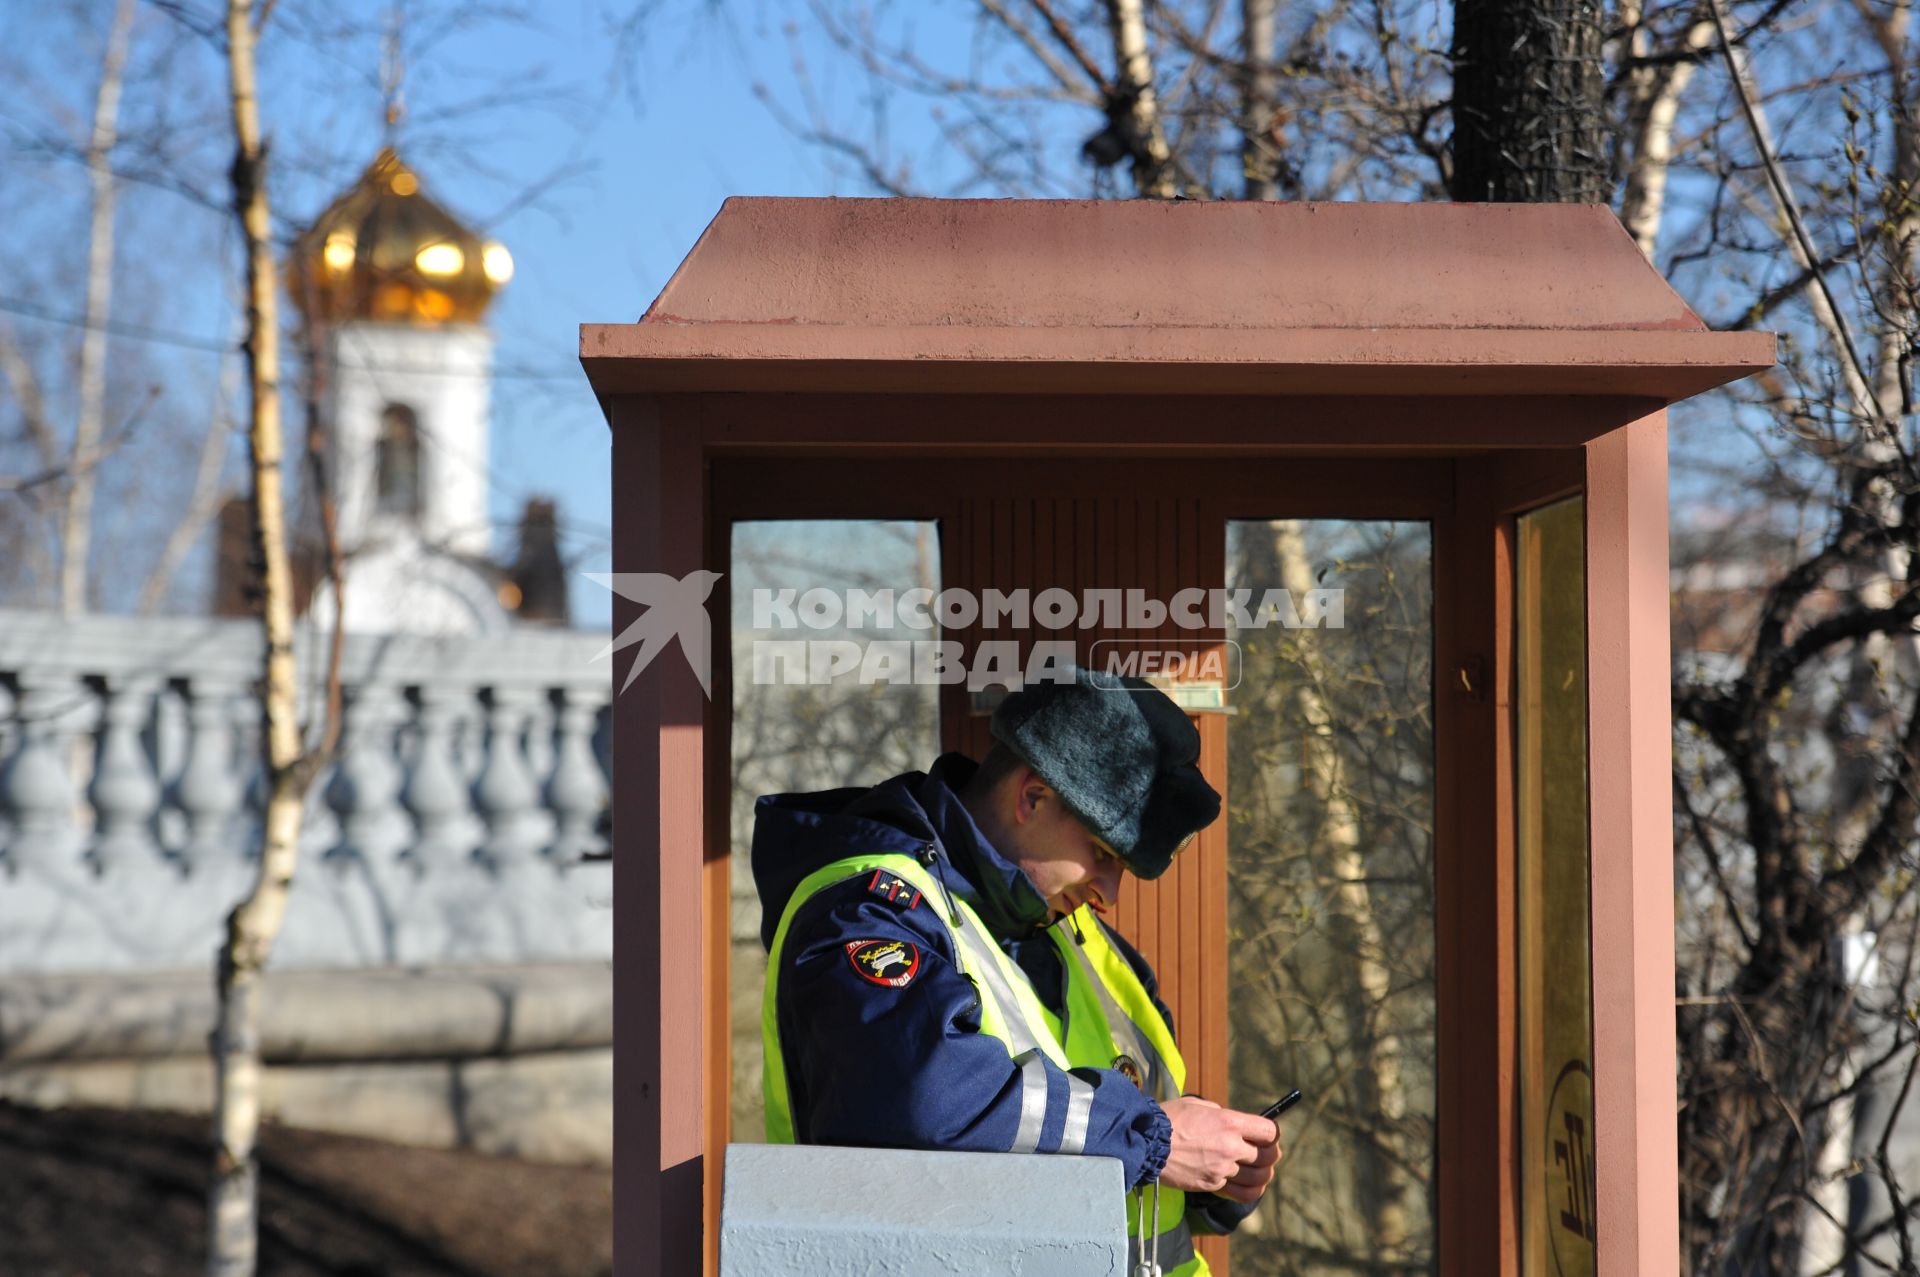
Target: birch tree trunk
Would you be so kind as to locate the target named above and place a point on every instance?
(1881, 659)
(1152, 158)
(255, 921)
(1259, 140)
(77, 529)
(1383, 1187)
(1654, 104)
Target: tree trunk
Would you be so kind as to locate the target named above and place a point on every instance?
(1383, 1186)
(76, 534)
(1380, 1183)
(1139, 108)
(255, 921)
(1655, 93)
(1882, 664)
(1528, 125)
(1259, 139)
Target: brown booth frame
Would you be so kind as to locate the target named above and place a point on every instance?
(945, 360)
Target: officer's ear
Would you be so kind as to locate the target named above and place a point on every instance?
(1031, 795)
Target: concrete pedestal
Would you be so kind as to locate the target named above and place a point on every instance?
(793, 1209)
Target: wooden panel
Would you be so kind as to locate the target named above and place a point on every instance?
(1472, 868)
(780, 487)
(1130, 537)
(1206, 1027)
(717, 895)
(662, 1009)
(1630, 729)
(1120, 427)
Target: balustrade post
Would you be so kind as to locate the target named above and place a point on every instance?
(212, 785)
(541, 748)
(37, 788)
(435, 791)
(577, 790)
(126, 786)
(9, 733)
(365, 789)
(505, 793)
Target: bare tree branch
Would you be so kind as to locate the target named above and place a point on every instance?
(1831, 316)
(204, 501)
(1088, 84)
(1070, 42)
(18, 370)
(77, 525)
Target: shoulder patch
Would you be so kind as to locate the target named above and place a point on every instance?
(893, 889)
(890, 963)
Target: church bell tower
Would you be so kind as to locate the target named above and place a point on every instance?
(394, 291)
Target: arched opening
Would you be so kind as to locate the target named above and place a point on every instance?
(397, 462)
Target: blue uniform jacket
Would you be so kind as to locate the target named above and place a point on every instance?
(893, 1058)
(882, 1044)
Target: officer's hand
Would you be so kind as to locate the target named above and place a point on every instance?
(1252, 1181)
(1218, 1150)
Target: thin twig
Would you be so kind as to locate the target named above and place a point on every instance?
(1857, 380)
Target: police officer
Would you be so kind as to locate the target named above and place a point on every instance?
(940, 975)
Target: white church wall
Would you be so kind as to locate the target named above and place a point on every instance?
(442, 374)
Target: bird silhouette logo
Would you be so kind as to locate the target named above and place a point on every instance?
(676, 608)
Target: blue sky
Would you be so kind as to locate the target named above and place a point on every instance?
(668, 146)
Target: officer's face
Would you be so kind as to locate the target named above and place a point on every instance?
(1066, 863)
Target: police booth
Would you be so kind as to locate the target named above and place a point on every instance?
(1377, 492)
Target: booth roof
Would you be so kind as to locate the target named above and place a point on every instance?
(1068, 296)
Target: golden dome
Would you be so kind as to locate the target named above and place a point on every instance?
(384, 251)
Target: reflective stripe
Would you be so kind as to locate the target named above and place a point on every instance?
(1119, 1022)
(986, 965)
(983, 961)
(1079, 1112)
(1176, 1248)
(1033, 1102)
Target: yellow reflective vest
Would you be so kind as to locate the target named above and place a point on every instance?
(1108, 1021)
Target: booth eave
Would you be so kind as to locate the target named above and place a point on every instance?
(1141, 296)
(662, 359)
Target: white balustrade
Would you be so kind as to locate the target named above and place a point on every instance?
(577, 790)
(9, 736)
(506, 793)
(541, 751)
(37, 787)
(131, 784)
(125, 790)
(365, 790)
(436, 791)
(213, 785)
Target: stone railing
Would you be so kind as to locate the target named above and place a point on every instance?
(464, 819)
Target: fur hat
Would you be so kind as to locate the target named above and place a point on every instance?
(1121, 756)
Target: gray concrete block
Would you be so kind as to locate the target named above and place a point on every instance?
(355, 1015)
(837, 1212)
(549, 1107)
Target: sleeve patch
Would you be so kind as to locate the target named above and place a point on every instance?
(889, 963)
(893, 889)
